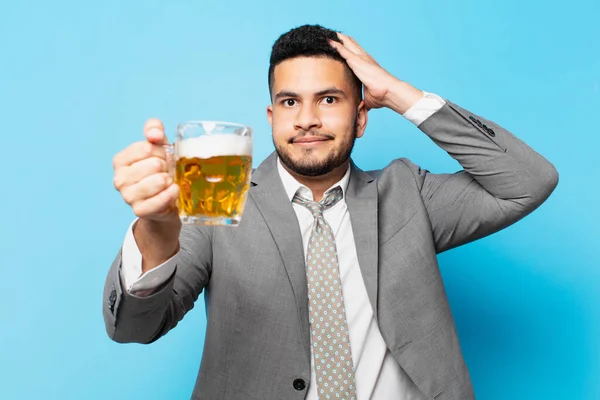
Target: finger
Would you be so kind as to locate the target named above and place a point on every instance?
(146, 188)
(136, 152)
(162, 203)
(132, 174)
(350, 43)
(343, 50)
(155, 131)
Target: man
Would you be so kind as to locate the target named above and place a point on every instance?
(330, 287)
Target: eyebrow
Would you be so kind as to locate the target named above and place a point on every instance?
(324, 92)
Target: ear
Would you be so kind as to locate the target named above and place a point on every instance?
(270, 114)
(361, 119)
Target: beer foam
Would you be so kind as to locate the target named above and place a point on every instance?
(215, 145)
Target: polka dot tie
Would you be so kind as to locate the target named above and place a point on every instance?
(334, 369)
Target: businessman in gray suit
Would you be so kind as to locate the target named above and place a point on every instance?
(329, 287)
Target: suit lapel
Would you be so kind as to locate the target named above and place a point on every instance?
(271, 200)
(361, 198)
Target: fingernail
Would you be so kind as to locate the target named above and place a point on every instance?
(155, 132)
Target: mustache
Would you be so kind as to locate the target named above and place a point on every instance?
(312, 133)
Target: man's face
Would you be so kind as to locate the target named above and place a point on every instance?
(315, 116)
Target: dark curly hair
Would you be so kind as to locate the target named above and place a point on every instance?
(309, 41)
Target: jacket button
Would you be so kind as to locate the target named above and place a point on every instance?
(490, 131)
(299, 384)
(112, 299)
(477, 122)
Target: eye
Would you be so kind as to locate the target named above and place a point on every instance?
(289, 102)
(329, 100)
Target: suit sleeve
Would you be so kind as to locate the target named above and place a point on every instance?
(502, 181)
(131, 318)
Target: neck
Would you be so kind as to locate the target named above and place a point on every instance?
(319, 184)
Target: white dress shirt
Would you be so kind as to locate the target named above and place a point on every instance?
(378, 375)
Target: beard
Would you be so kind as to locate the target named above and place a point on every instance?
(309, 165)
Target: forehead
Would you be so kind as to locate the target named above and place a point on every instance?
(309, 75)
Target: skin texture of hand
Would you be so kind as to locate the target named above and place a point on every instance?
(381, 89)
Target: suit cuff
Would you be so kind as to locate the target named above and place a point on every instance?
(131, 268)
(428, 105)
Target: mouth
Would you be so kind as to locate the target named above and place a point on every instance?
(310, 140)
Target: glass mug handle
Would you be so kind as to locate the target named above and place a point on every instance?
(170, 160)
(170, 153)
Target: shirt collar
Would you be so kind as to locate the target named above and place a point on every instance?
(291, 185)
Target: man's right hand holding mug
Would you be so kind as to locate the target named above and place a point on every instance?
(141, 175)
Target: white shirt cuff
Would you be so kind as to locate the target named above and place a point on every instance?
(424, 108)
(131, 268)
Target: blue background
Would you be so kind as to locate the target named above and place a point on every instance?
(78, 80)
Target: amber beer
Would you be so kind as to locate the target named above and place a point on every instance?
(213, 173)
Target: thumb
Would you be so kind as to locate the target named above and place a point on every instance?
(155, 131)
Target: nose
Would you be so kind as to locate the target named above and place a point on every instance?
(307, 118)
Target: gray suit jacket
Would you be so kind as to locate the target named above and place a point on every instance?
(254, 281)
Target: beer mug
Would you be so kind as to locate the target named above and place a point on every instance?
(211, 162)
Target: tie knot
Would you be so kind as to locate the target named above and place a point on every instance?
(317, 207)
